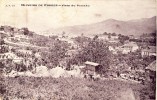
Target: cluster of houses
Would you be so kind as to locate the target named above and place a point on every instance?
(129, 46)
(133, 47)
(148, 74)
(125, 49)
(149, 51)
(91, 69)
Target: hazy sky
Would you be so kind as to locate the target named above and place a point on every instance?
(42, 18)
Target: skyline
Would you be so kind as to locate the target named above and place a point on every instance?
(43, 18)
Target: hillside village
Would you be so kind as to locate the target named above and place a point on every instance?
(102, 56)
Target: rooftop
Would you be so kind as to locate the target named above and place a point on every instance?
(130, 44)
(152, 66)
(91, 63)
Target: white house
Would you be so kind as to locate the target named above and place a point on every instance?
(150, 51)
(128, 47)
(112, 49)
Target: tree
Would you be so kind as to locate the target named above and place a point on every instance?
(95, 51)
(2, 42)
(113, 34)
(109, 36)
(122, 38)
(81, 40)
(25, 31)
(63, 34)
(56, 53)
(95, 37)
(4, 49)
(105, 33)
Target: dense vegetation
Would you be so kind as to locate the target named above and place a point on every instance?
(55, 53)
(92, 50)
(28, 88)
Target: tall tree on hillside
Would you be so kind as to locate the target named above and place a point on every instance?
(95, 51)
(122, 38)
(81, 40)
(57, 52)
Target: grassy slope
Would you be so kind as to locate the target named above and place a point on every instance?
(25, 88)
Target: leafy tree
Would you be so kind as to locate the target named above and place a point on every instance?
(81, 40)
(2, 42)
(113, 34)
(109, 36)
(122, 38)
(56, 53)
(4, 49)
(95, 37)
(41, 40)
(26, 31)
(105, 33)
(63, 34)
(95, 51)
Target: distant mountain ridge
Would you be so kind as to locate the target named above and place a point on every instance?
(131, 27)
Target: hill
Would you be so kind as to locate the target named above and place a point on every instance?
(71, 89)
(131, 27)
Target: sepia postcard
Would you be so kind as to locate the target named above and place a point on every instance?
(78, 49)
